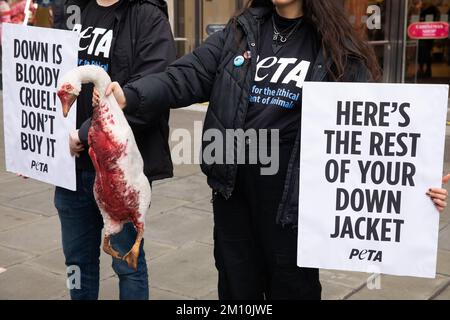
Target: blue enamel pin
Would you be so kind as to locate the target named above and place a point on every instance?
(239, 61)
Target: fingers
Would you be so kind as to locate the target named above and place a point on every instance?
(446, 179)
(95, 98)
(111, 88)
(116, 89)
(439, 197)
(75, 151)
(75, 146)
(441, 194)
(440, 205)
(79, 148)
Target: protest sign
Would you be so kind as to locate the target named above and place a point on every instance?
(36, 134)
(369, 154)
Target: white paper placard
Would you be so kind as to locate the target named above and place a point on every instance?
(36, 134)
(369, 154)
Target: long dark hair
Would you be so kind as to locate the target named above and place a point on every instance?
(339, 39)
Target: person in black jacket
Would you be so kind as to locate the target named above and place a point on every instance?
(58, 14)
(129, 39)
(252, 74)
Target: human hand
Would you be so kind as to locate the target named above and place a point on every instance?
(439, 195)
(75, 145)
(116, 89)
(446, 179)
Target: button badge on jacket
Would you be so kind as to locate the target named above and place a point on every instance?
(239, 61)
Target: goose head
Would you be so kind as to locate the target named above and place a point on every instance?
(68, 91)
(70, 85)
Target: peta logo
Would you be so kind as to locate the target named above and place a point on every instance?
(99, 40)
(369, 255)
(298, 72)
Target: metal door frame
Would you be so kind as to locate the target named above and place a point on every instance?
(395, 41)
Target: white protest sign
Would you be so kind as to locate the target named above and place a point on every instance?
(36, 134)
(369, 154)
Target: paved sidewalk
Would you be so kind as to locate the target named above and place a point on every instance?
(178, 244)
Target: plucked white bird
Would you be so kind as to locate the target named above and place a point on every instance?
(121, 189)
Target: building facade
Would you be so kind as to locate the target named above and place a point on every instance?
(384, 22)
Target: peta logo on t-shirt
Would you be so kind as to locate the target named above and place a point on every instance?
(95, 41)
(282, 70)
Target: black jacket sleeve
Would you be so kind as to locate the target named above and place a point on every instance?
(154, 51)
(154, 47)
(187, 81)
(83, 132)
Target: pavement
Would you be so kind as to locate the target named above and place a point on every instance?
(178, 243)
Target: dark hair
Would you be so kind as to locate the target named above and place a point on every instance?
(340, 40)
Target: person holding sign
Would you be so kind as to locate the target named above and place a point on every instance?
(129, 39)
(252, 73)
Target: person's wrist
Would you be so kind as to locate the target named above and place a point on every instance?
(75, 136)
(123, 104)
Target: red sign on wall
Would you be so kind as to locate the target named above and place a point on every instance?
(428, 30)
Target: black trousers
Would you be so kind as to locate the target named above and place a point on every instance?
(255, 257)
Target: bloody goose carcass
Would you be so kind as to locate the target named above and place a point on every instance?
(121, 189)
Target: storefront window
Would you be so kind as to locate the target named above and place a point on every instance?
(195, 20)
(369, 18)
(184, 25)
(428, 60)
(384, 23)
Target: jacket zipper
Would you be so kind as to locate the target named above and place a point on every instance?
(253, 49)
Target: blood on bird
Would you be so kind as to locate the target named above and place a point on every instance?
(115, 197)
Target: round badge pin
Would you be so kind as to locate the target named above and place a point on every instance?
(239, 61)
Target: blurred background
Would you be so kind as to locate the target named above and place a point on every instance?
(402, 58)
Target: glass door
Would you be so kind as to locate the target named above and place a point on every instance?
(184, 25)
(382, 24)
(428, 60)
(195, 20)
(216, 14)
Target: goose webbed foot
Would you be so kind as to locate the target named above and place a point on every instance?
(107, 248)
(132, 256)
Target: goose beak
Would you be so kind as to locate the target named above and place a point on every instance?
(67, 100)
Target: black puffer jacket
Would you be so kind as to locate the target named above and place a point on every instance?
(209, 74)
(143, 44)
